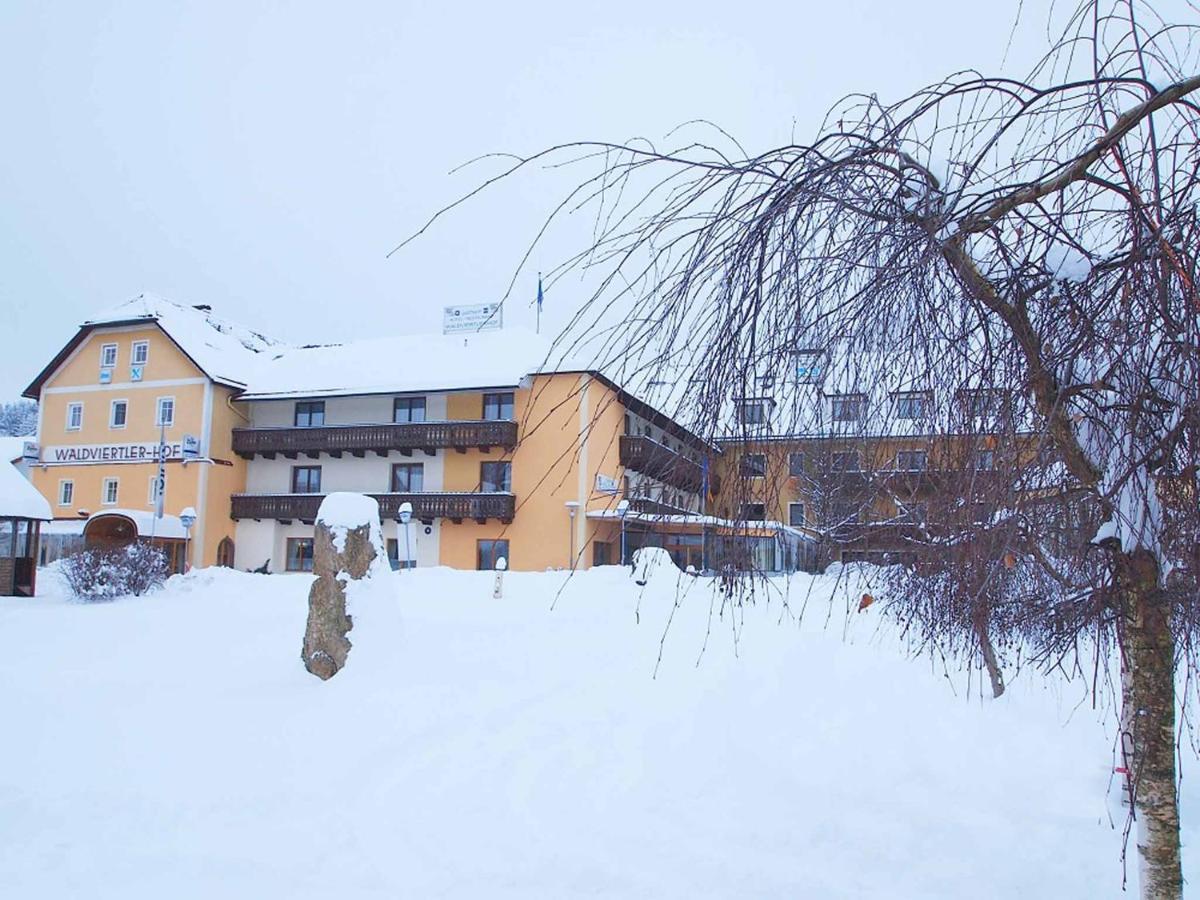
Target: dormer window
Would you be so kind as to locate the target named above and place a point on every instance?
(912, 405)
(983, 403)
(848, 407)
(810, 366)
(752, 412)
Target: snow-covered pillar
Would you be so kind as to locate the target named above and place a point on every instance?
(347, 546)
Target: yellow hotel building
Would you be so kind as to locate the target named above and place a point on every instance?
(497, 454)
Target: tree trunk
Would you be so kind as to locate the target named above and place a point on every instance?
(1148, 717)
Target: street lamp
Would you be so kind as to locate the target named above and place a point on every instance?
(622, 511)
(405, 516)
(572, 509)
(187, 518)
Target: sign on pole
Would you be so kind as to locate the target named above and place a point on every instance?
(191, 446)
(472, 319)
(30, 452)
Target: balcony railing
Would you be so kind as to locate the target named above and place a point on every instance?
(405, 437)
(651, 458)
(453, 506)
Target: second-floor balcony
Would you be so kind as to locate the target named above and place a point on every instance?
(381, 438)
(426, 507)
(641, 454)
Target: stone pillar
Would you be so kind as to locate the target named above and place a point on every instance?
(347, 546)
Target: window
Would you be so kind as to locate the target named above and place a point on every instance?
(752, 412)
(408, 478)
(498, 406)
(848, 408)
(983, 404)
(310, 414)
(754, 512)
(796, 514)
(166, 412)
(913, 405)
(393, 554)
(628, 424)
(491, 552)
(408, 409)
(809, 366)
(140, 353)
(118, 413)
(153, 494)
(66, 492)
(911, 460)
(74, 416)
(753, 465)
(299, 555)
(795, 464)
(495, 477)
(914, 512)
(306, 479)
(844, 461)
(600, 553)
(985, 460)
(108, 493)
(108, 356)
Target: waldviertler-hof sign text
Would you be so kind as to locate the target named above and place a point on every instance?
(77, 454)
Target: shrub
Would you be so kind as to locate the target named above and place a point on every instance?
(97, 575)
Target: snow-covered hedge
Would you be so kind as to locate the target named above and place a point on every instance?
(97, 575)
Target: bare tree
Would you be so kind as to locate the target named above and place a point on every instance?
(1022, 253)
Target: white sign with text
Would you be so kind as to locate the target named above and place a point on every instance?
(94, 454)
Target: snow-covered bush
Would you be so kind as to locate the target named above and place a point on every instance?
(98, 575)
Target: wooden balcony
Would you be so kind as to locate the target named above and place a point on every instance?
(653, 459)
(426, 507)
(358, 440)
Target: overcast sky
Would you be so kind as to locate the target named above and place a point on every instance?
(264, 157)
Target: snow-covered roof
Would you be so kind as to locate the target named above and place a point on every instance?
(19, 498)
(394, 365)
(166, 527)
(226, 351)
(12, 448)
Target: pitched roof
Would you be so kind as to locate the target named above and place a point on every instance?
(19, 498)
(224, 351)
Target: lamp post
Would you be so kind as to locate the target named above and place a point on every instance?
(405, 516)
(187, 518)
(572, 509)
(622, 511)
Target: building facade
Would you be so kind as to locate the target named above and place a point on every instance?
(496, 452)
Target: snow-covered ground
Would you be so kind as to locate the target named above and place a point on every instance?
(174, 746)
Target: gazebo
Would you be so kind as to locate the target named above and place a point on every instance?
(22, 510)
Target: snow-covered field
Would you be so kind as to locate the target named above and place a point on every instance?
(173, 746)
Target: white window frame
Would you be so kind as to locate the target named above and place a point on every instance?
(803, 511)
(112, 415)
(76, 404)
(133, 353)
(104, 351)
(115, 482)
(922, 397)
(158, 420)
(924, 467)
(757, 417)
(842, 403)
(63, 485)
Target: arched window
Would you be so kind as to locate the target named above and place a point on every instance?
(225, 553)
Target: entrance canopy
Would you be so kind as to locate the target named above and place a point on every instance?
(137, 522)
